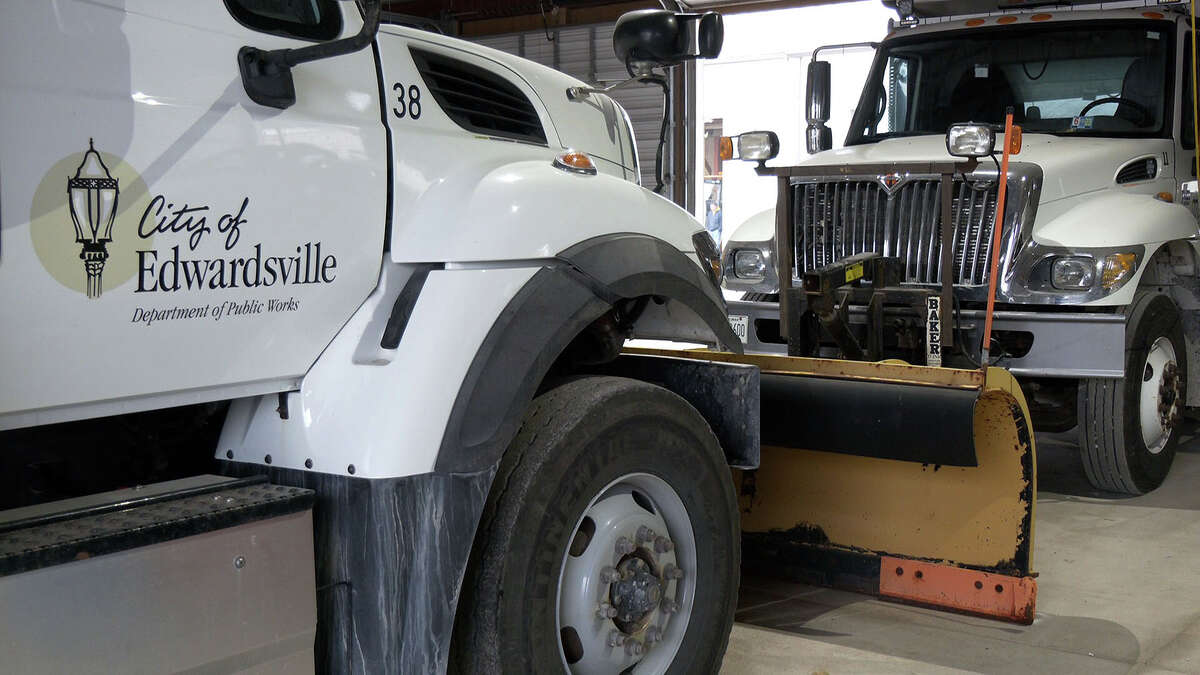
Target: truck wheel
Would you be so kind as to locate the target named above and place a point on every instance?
(1126, 426)
(610, 541)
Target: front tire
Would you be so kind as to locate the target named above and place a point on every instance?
(609, 542)
(1127, 427)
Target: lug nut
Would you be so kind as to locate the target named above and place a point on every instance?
(624, 546)
(615, 638)
(606, 611)
(654, 634)
(669, 606)
(663, 545)
(644, 534)
(609, 575)
(633, 647)
(670, 571)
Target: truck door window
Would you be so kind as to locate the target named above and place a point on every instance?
(305, 19)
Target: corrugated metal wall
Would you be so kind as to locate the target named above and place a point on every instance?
(586, 53)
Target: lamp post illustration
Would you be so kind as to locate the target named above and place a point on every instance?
(92, 196)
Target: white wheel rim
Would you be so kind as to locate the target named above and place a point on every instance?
(585, 592)
(1158, 400)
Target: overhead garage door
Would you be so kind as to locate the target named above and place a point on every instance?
(586, 53)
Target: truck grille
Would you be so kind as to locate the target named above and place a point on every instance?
(837, 219)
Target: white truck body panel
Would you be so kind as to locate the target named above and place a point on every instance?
(156, 336)
(382, 411)
(172, 141)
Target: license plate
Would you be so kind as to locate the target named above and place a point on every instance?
(741, 326)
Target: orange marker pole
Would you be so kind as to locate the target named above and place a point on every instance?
(997, 231)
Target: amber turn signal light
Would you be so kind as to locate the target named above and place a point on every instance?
(573, 161)
(726, 147)
(1014, 141)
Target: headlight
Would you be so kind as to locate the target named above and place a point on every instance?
(758, 146)
(749, 264)
(752, 146)
(1116, 269)
(1057, 275)
(749, 267)
(970, 140)
(709, 254)
(1075, 273)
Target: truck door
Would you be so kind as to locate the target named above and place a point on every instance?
(163, 238)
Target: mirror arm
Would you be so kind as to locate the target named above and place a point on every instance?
(646, 77)
(848, 45)
(267, 75)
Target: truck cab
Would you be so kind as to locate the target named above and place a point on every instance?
(1097, 286)
(300, 243)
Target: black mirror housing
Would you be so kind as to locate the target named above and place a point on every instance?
(711, 35)
(818, 138)
(267, 75)
(659, 37)
(817, 92)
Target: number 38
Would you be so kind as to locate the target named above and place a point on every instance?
(411, 107)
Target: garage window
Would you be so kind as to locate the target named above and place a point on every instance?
(304, 19)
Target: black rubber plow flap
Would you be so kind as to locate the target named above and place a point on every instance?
(888, 420)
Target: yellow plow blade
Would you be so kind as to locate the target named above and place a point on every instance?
(915, 483)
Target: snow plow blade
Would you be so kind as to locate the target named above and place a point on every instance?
(913, 483)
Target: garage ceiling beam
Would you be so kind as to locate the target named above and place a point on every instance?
(480, 18)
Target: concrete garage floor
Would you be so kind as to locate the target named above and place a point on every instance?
(1118, 592)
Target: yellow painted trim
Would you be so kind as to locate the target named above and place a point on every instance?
(977, 516)
(882, 371)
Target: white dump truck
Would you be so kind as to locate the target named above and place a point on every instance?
(1099, 288)
(257, 256)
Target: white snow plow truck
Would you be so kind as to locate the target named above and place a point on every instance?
(1098, 289)
(305, 322)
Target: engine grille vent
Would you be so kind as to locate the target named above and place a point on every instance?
(841, 218)
(479, 100)
(1138, 170)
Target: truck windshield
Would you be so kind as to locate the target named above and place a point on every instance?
(1099, 79)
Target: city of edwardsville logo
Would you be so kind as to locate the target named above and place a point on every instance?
(92, 199)
(165, 242)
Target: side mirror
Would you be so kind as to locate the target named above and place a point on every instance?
(646, 38)
(816, 107)
(267, 75)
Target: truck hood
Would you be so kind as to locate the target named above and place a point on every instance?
(1070, 166)
(595, 125)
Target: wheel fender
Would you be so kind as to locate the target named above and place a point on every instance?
(758, 227)
(497, 210)
(555, 306)
(1098, 220)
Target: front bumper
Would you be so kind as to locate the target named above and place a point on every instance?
(1067, 345)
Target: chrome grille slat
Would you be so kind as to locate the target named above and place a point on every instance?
(838, 218)
(977, 226)
(934, 219)
(922, 224)
(960, 248)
